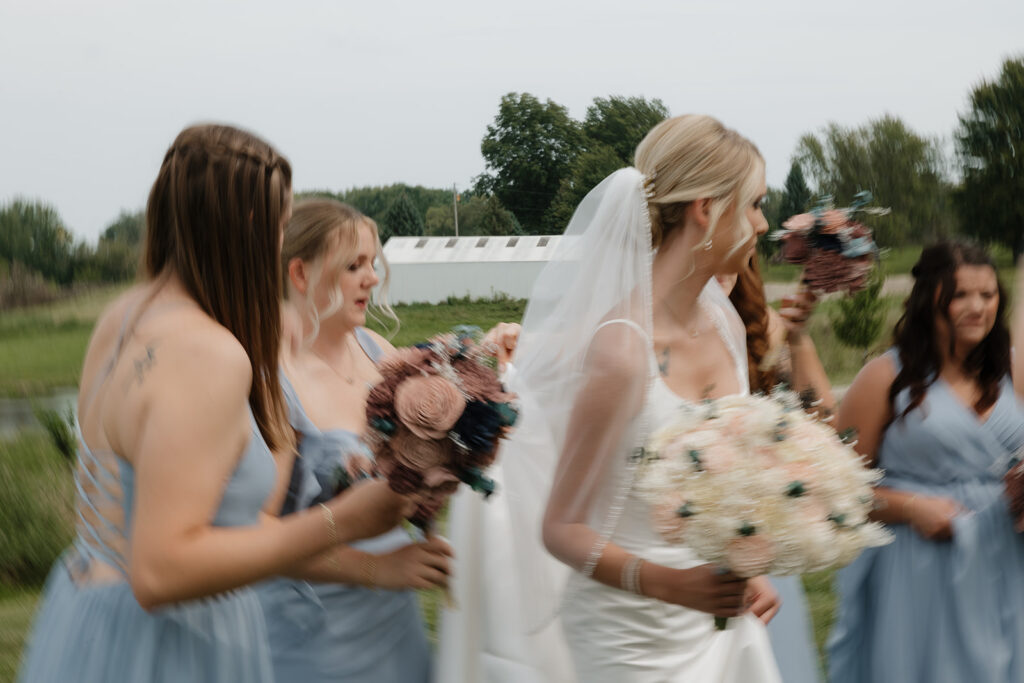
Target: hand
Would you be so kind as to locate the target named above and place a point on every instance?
(796, 309)
(932, 516)
(762, 599)
(369, 508)
(419, 565)
(503, 337)
(705, 588)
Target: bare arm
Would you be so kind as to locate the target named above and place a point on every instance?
(609, 399)
(180, 475)
(807, 374)
(865, 408)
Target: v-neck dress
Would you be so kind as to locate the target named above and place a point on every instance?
(335, 632)
(937, 611)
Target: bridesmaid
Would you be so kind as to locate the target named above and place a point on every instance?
(941, 413)
(179, 409)
(780, 350)
(360, 620)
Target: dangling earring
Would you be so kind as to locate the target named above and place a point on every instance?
(707, 245)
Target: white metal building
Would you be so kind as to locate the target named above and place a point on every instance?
(431, 269)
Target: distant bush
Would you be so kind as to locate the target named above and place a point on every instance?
(36, 507)
(61, 428)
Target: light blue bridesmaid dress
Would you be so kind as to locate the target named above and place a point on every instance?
(333, 632)
(94, 631)
(791, 633)
(941, 612)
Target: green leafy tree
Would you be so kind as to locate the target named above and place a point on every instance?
(858, 319)
(903, 170)
(478, 215)
(400, 219)
(128, 228)
(621, 123)
(528, 149)
(586, 171)
(796, 196)
(33, 233)
(990, 143)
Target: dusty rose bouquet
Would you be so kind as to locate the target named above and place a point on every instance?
(755, 485)
(436, 418)
(837, 252)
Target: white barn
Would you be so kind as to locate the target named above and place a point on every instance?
(431, 269)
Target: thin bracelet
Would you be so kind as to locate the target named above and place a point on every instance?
(630, 578)
(369, 570)
(906, 504)
(332, 534)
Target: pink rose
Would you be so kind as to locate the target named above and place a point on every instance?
(666, 519)
(418, 453)
(749, 556)
(428, 406)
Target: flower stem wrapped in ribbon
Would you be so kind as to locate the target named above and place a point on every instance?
(836, 251)
(755, 485)
(436, 417)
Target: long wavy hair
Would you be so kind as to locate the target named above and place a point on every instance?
(915, 338)
(214, 218)
(749, 299)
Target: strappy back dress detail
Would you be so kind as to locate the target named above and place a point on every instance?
(90, 628)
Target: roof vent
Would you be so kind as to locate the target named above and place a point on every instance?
(421, 243)
(512, 241)
(543, 241)
(451, 243)
(482, 242)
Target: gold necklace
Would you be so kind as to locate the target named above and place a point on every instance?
(349, 379)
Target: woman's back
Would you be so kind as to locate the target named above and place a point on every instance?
(91, 589)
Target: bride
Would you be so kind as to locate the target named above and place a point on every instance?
(561, 576)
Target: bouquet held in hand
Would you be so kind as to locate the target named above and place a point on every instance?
(436, 418)
(754, 485)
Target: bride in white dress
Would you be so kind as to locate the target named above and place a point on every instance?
(561, 576)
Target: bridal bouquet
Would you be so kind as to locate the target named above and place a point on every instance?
(836, 251)
(753, 484)
(436, 417)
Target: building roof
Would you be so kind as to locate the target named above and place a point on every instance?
(409, 250)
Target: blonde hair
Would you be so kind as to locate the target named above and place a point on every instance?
(693, 157)
(316, 227)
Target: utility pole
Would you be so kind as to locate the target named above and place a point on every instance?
(455, 206)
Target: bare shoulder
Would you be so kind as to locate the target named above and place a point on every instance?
(386, 347)
(620, 352)
(875, 377)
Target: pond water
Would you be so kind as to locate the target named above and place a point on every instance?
(16, 413)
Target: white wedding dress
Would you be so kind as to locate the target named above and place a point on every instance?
(598, 633)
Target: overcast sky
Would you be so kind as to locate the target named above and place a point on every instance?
(93, 91)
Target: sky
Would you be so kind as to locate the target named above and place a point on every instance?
(92, 92)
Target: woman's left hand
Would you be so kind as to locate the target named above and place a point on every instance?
(504, 337)
(762, 599)
(796, 309)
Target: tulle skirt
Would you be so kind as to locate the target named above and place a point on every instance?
(99, 634)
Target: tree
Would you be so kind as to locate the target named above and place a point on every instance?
(586, 171)
(903, 170)
(990, 144)
(621, 123)
(859, 319)
(477, 216)
(33, 233)
(528, 150)
(127, 229)
(401, 219)
(796, 196)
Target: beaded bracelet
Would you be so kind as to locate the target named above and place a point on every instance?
(630, 579)
(332, 534)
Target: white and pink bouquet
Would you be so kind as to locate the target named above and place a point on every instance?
(755, 485)
(436, 417)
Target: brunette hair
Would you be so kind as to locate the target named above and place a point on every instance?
(748, 297)
(915, 338)
(214, 218)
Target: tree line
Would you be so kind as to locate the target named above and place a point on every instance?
(540, 162)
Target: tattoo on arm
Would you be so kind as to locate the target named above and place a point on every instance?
(663, 362)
